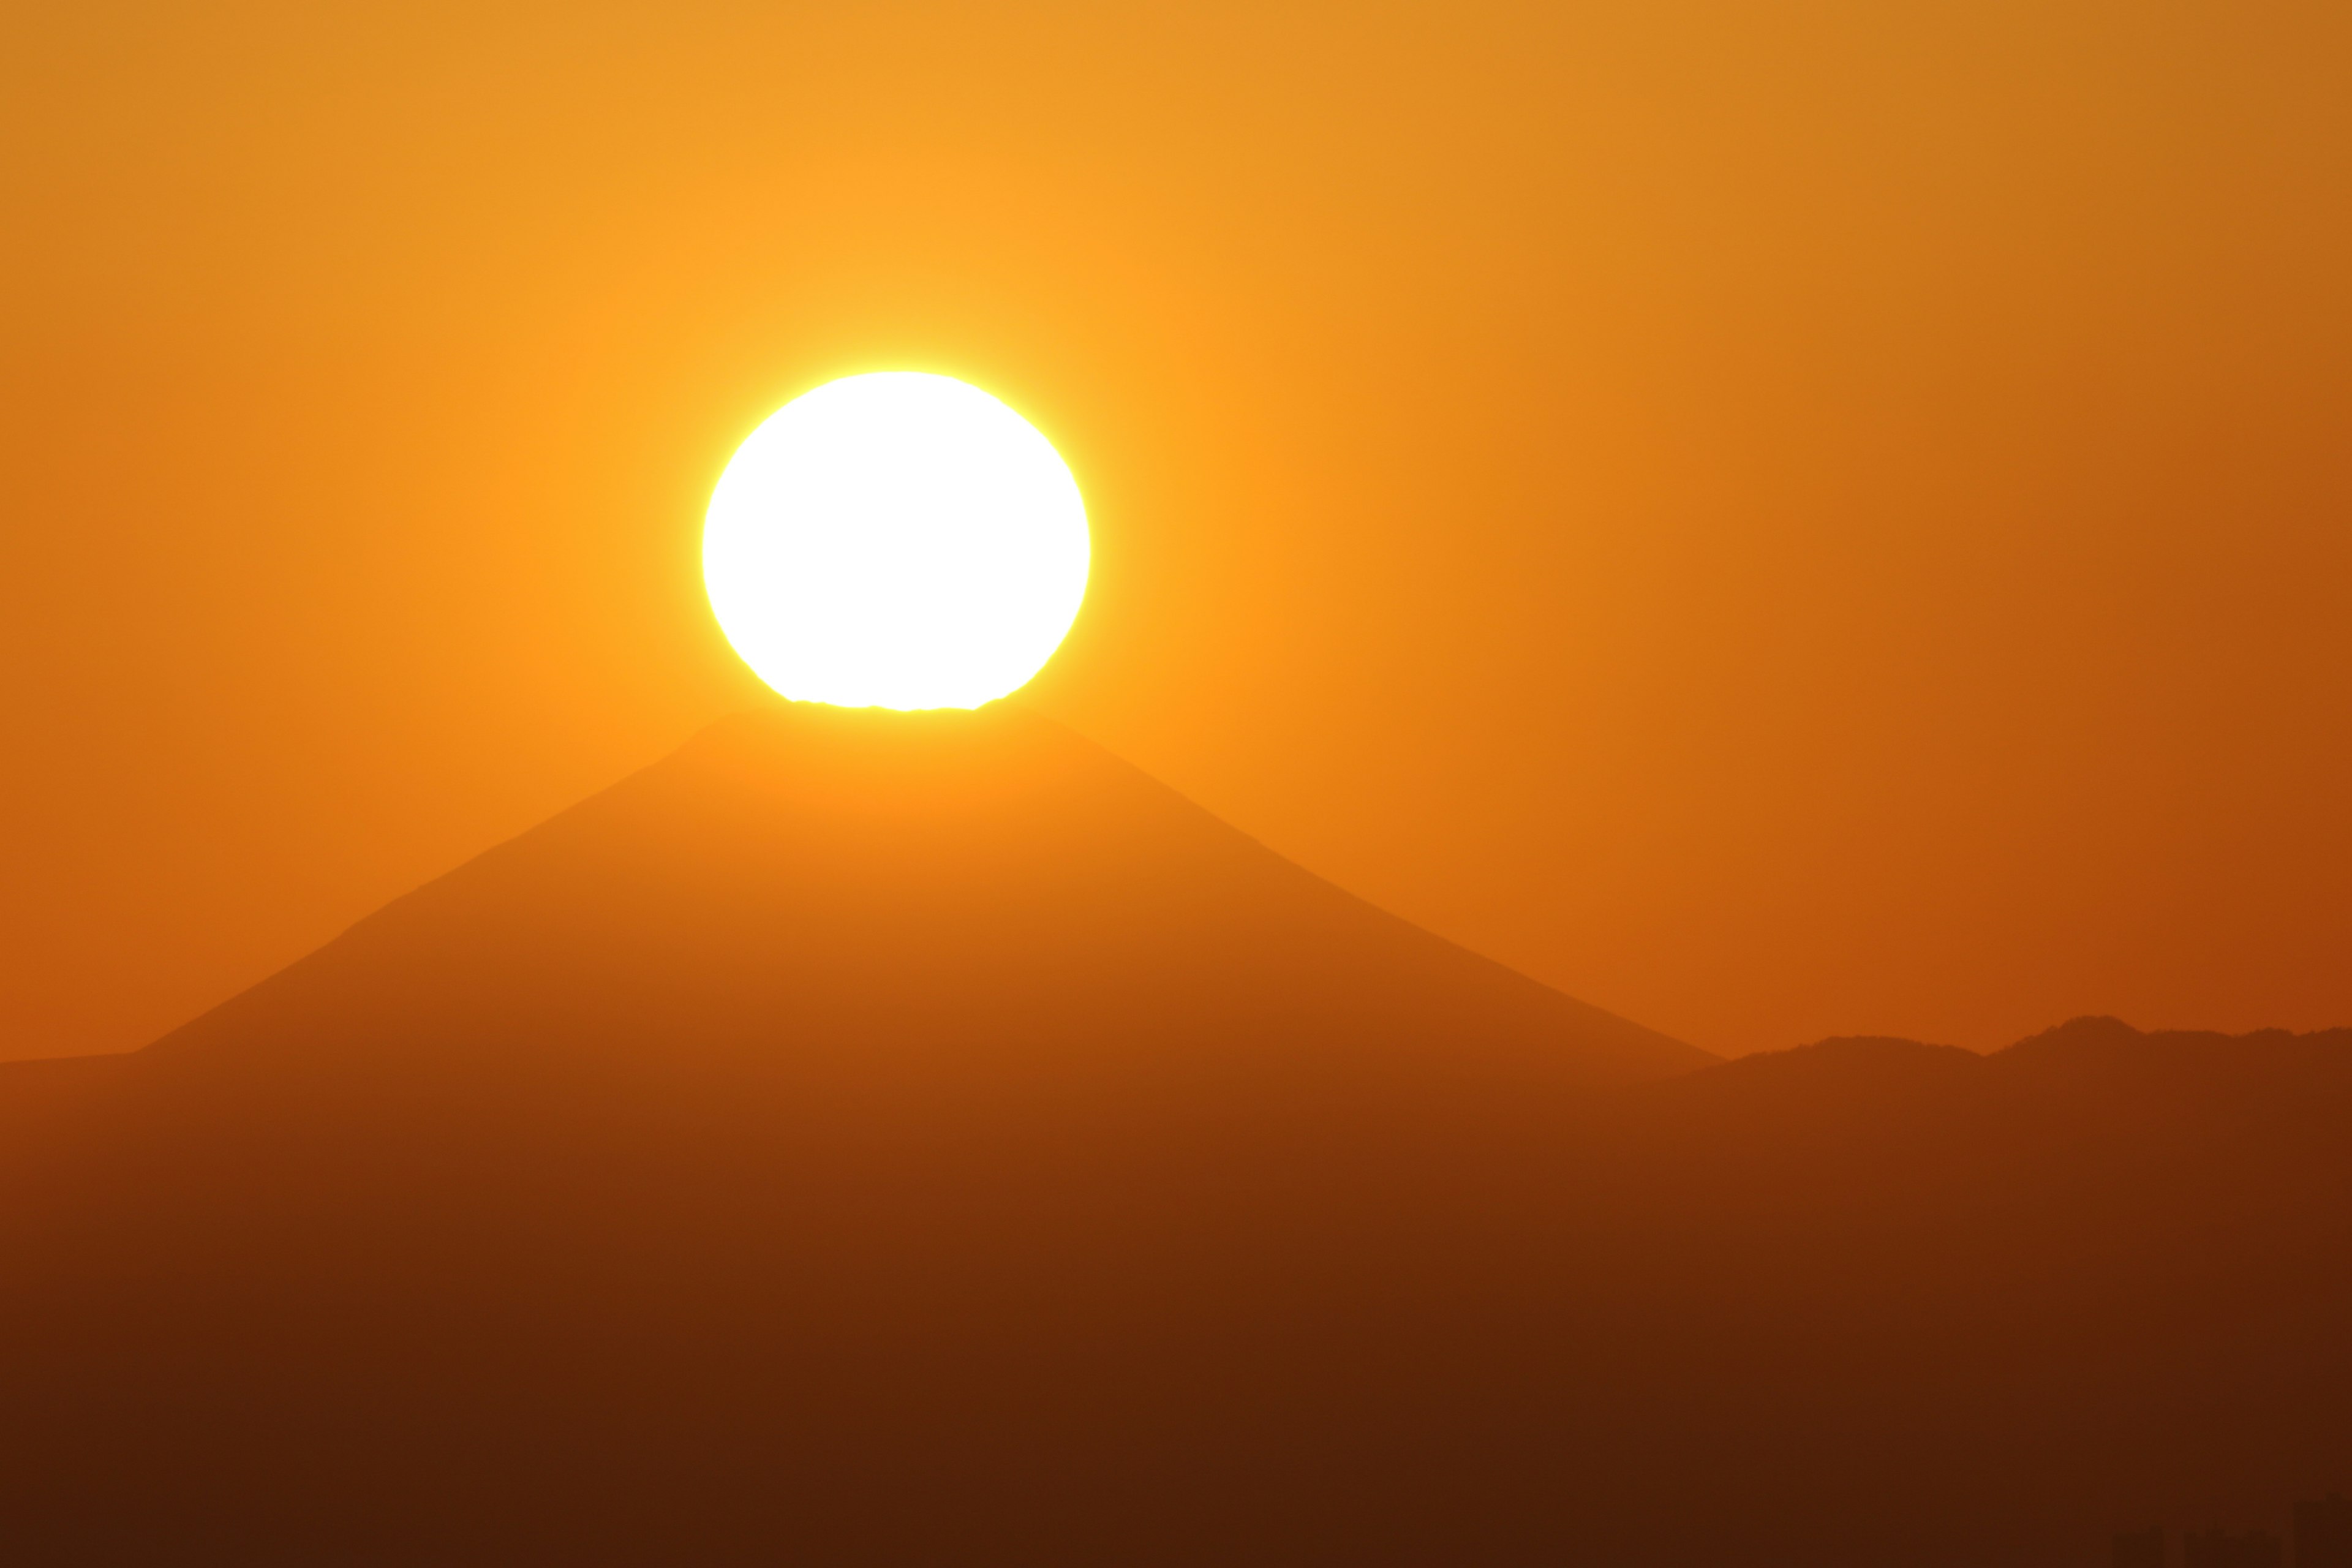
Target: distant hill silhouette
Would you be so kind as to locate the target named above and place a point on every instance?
(871, 1139)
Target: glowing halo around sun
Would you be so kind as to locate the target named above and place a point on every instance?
(895, 541)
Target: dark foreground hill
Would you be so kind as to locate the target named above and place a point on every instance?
(922, 1139)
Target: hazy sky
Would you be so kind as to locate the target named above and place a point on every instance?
(1778, 519)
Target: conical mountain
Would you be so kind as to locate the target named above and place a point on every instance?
(838, 891)
(860, 1137)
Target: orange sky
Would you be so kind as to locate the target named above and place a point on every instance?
(1779, 520)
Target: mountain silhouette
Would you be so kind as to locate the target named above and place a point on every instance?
(946, 890)
(897, 1139)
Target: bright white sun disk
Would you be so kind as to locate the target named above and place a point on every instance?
(895, 541)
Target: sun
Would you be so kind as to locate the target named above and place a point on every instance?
(895, 541)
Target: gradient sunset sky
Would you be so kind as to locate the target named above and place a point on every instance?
(1779, 520)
